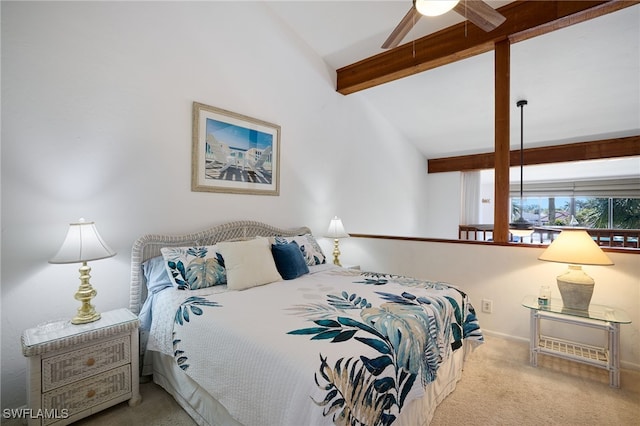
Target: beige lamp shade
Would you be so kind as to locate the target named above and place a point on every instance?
(83, 243)
(575, 246)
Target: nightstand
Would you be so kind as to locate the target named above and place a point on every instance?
(597, 316)
(77, 370)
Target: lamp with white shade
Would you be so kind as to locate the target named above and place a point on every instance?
(434, 7)
(577, 248)
(81, 245)
(336, 231)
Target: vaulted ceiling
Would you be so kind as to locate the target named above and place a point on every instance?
(582, 82)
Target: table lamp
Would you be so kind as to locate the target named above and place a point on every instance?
(336, 231)
(81, 245)
(575, 247)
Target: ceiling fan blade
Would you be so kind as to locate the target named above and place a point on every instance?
(402, 29)
(480, 13)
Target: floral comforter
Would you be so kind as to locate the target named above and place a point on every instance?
(332, 347)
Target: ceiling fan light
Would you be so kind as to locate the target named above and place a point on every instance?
(435, 7)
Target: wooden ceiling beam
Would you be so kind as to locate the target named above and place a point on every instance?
(606, 148)
(525, 19)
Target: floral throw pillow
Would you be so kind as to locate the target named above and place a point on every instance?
(191, 268)
(309, 247)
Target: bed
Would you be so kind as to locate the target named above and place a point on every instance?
(248, 324)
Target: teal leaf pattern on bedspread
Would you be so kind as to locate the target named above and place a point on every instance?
(412, 336)
(191, 305)
(394, 341)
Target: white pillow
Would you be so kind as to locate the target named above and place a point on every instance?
(248, 263)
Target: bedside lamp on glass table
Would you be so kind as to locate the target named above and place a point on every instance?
(81, 245)
(575, 247)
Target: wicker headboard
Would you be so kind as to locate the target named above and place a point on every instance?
(149, 246)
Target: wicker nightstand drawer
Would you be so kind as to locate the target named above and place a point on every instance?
(77, 370)
(85, 394)
(69, 367)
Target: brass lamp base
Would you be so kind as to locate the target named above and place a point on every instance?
(336, 252)
(86, 312)
(84, 319)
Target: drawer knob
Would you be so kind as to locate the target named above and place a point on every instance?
(90, 362)
(91, 393)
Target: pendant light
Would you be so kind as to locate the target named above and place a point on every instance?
(521, 228)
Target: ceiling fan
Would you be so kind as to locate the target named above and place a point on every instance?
(476, 11)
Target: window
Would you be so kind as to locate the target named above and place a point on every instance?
(601, 195)
(587, 212)
(597, 213)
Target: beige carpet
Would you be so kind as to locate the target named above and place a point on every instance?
(498, 387)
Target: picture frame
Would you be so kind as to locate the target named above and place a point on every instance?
(234, 153)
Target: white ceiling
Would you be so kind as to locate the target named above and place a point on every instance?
(581, 82)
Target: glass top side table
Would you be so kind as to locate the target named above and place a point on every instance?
(601, 317)
(596, 312)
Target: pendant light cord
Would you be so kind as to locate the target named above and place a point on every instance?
(521, 104)
(521, 150)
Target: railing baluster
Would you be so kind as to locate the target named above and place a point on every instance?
(603, 237)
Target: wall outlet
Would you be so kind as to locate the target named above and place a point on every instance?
(487, 306)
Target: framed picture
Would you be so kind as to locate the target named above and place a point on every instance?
(234, 153)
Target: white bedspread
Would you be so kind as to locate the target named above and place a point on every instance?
(328, 347)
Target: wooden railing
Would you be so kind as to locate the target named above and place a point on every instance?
(616, 237)
(546, 234)
(476, 232)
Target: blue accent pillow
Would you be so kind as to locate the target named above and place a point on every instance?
(156, 274)
(157, 278)
(311, 250)
(289, 260)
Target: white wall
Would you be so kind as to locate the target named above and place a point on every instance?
(445, 204)
(96, 122)
(505, 275)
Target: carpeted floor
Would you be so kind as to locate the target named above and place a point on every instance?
(498, 387)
